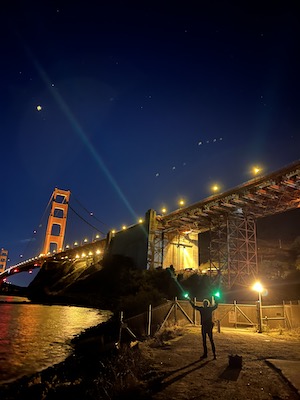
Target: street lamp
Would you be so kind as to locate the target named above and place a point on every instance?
(259, 288)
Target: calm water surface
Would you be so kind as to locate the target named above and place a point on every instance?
(33, 337)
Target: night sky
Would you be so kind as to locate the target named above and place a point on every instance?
(132, 106)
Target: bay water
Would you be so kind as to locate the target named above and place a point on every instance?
(34, 337)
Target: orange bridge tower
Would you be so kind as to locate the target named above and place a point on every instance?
(57, 220)
(3, 259)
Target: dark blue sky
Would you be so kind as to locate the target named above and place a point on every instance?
(142, 103)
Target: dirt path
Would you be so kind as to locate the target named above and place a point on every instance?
(184, 376)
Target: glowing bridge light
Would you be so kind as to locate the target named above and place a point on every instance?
(140, 221)
(256, 170)
(124, 227)
(164, 210)
(215, 188)
(98, 251)
(181, 203)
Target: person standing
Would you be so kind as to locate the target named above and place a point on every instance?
(206, 324)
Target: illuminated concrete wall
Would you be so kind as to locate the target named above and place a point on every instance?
(181, 251)
(150, 248)
(133, 243)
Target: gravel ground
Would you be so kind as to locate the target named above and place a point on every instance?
(182, 375)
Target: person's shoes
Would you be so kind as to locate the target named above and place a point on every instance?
(203, 356)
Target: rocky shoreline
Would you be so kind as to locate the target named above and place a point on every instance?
(97, 369)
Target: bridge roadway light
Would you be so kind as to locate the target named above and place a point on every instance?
(259, 289)
(181, 203)
(164, 210)
(215, 188)
(256, 170)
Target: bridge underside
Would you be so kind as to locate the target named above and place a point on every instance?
(230, 218)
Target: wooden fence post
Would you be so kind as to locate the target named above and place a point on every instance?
(235, 314)
(149, 320)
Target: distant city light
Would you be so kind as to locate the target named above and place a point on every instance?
(39, 108)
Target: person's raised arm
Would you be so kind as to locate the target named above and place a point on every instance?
(214, 302)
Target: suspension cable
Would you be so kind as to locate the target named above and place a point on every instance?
(83, 219)
(89, 212)
(35, 230)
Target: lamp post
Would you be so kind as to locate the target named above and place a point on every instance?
(259, 288)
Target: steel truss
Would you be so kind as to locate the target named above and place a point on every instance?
(155, 249)
(233, 250)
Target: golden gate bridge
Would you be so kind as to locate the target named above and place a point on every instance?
(173, 239)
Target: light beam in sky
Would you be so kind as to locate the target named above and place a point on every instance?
(79, 131)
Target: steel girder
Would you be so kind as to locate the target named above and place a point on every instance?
(233, 250)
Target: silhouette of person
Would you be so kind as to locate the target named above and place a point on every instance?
(206, 324)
